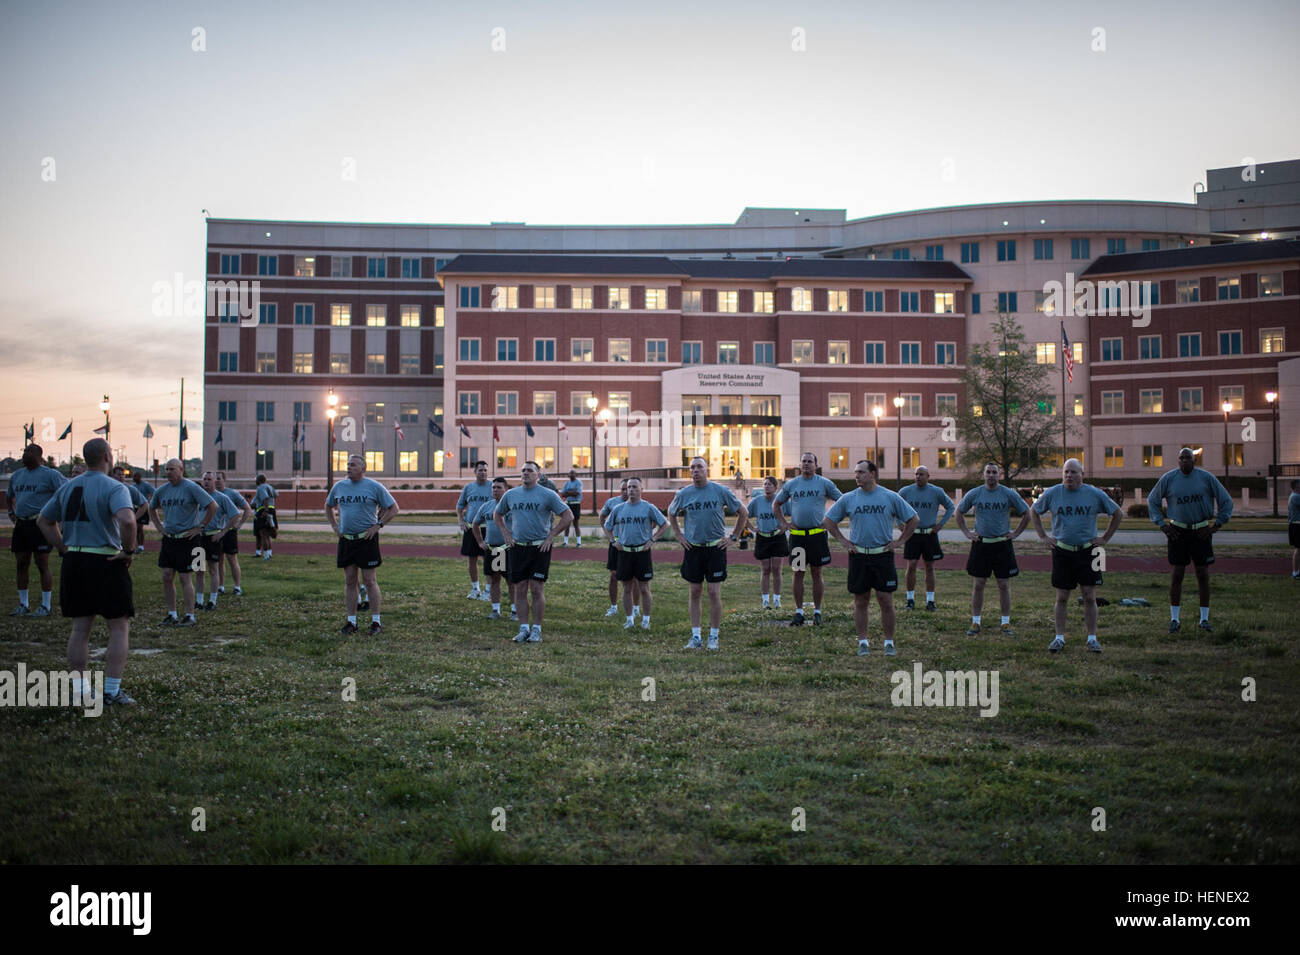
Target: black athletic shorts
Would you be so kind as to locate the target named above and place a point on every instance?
(923, 547)
(264, 520)
(28, 538)
(1071, 568)
(91, 585)
(702, 563)
(211, 547)
(469, 545)
(997, 559)
(868, 572)
(359, 553)
(177, 553)
(497, 561)
(1293, 534)
(611, 559)
(1186, 548)
(816, 548)
(640, 565)
(143, 520)
(767, 546)
(577, 512)
(528, 562)
(230, 543)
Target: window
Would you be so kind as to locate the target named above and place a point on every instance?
(228, 312)
(839, 460)
(838, 405)
(873, 301)
(581, 458)
(1229, 343)
(578, 403)
(410, 268)
(303, 362)
(408, 462)
(837, 353)
(266, 315)
(945, 303)
(266, 264)
(1229, 289)
(543, 349)
(467, 402)
(266, 411)
(1112, 349)
(581, 349)
(1077, 349)
(227, 410)
(469, 296)
(945, 405)
(226, 460)
(1151, 400)
(340, 364)
(468, 456)
(376, 267)
(1045, 353)
(620, 401)
(902, 254)
(1112, 402)
(1189, 399)
(934, 253)
(909, 353)
(304, 266)
(801, 352)
(837, 300)
(1270, 283)
(1153, 455)
(970, 252)
(617, 457)
(340, 314)
(507, 402)
(266, 460)
(656, 298)
(266, 363)
(768, 406)
(580, 296)
(1189, 290)
(1234, 395)
(1043, 249)
(408, 364)
(909, 301)
(1078, 406)
(376, 316)
(375, 363)
(507, 349)
(620, 297)
(1047, 406)
(975, 303)
(945, 353)
(692, 353)
(469, 349)
(728, 353)
(1150, 245)
(1149, 346)
(1232, 454)
(1007, 302)
(1080, 248)
(802, 299)
(911, 458)
(911, 406)
(874, 353)
(656, 349)
(874, 401)
(304, 315)
(728, 300)
(229, 263)
(543, 296)
(1272, 340)
(620, 349)
(301, 460)
(543, 403)
(1116, 247)
(692, 300)
(341, 266)
(1114, 456)
(545, 456)
(1006, 250)
(947, 458)
(374, 461)
(409, 316)
(1189, 345)
(764, 303)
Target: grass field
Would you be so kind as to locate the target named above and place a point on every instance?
(243, 717)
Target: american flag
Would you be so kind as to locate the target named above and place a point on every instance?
(1069, 355)
(397, 427)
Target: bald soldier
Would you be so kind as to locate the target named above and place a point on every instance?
(180, 508)
(926, 499)
(30, 489)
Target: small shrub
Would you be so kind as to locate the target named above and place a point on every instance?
(1138, 510)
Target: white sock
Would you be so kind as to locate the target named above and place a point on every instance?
(798, 611)
(1061, 637)
(1174, 610)
(257, 553)
(1005, 620)
(929, 596)
(713, 632)
(1092, 638)
(213, 598)
(496, 607)
(630, 619)
(374, 618)
(352, 619)
(889, 641)
(911, 595)
(514, 609)
(537, 629)
(613, 606)
(864, 642)
(198, 599)
(1205, 614)
(45, 599)
(239, 591)
(645, 622)
(776, 600)
(975, 619)
(695, 632)
(172, 614)
(766, 600)
(579, 540)
(22, 598)
(636, 609)
(112, 685)
(268, 552)
(221, 589)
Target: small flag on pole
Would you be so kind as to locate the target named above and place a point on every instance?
(435, 429)
(102, 429)
(463, 430)
(528, 429)
(185, 432)
(66, 431)
(496, 433)
(1069, 356)
(29, 431)
(218, 441)
(561, 426)
(397, 429)
(295, 431)
(148, 430)
(257, 436)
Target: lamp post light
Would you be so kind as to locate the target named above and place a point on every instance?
(1227, 450)
(898, 480)
(876, 412)
(591, 409)
(331, 412)
(1271, 398)
(104, 406)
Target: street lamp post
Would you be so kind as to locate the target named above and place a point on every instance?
(1227, 451)
(331, 412)
(591, 409)
(103, 406)
(898, 480)
(1271, 398)
(876, 412)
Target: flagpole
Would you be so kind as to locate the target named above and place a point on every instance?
(1064, 345)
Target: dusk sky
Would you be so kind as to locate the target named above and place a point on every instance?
(592, 113)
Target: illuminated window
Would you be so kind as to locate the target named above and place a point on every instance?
(1112, 402)
(945, 303)
(1153, 455)
(620, 401)
(578, 403)
(1270, 283)
(1189, 290)
(839, 459)
(728, 300)
(692, 300)
(837, 353)
(656, 298)
(543, 297)
(1234, 395)
(375, 363)
(837, 300)
(266, 363)
(728, 353)
(543, 403)
(1045, 352)
(1151, 400)
(376, 316)
(302, 362)
(763, 302)
(408, 462)
(801, 352)
(838, 405)
(620, 296)
(410, 316)
(581, 349)
(1229, 289)
(802, 300)
(620, 349)
(340, 363)
(580, 297)
(1114, 457)
(1272, 340)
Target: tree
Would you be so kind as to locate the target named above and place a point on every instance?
(1004, 418)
